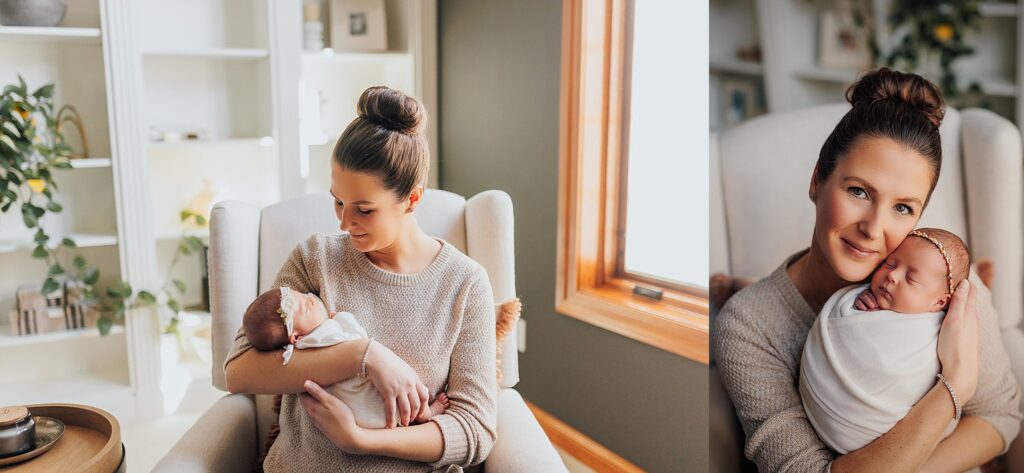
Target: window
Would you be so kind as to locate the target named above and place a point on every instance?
(633, 209)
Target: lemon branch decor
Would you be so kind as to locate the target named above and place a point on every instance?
(31, 146)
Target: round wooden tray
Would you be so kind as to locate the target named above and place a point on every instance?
(91, 442)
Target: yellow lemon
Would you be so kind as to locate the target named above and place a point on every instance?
(943, 32)
(37, 185)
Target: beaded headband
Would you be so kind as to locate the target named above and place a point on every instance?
(945, 255)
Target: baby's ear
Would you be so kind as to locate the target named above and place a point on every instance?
(940, 304)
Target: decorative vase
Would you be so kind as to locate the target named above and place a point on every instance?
(32, 12)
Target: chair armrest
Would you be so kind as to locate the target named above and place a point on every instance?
(223, 439)
(521, 444)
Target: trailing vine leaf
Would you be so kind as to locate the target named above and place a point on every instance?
(179, 285)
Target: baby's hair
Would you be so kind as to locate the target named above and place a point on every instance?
(263, 324)
(959, 256)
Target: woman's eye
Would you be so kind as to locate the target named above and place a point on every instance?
(904, 209)
(339, 204)
(858, 192)
(365, 212)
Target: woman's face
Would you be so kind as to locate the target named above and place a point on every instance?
(365, 209)
(868, 205)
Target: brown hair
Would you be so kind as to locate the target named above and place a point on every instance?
(906, 108)
(386, 140)
(959, 256)
(263, 324)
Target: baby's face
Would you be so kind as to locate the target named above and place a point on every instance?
(912, 279)
(309, 315)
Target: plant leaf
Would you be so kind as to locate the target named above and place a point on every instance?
(67, 242)
(180, 285)
(104, 323)
(147, 298)
(79, 262)
(50, 285)
(54, 207)
(91, 276)
(56, 270)
(40, 252)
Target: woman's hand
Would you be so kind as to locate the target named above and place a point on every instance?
(958, 342)
(333, 417)
(405, 396)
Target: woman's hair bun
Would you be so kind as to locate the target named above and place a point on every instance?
(392, 109)
(911, 89)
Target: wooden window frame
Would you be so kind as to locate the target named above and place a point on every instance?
(592, 284)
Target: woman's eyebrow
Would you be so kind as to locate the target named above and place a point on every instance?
(361, 202)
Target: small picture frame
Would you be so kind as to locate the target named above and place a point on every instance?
(739, 100)
(358, 26)
(841, 44)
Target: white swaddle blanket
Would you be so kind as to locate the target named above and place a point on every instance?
(358, 393)
(861, 372)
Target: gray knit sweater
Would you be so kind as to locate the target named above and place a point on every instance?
(440, 321)
(757, 340)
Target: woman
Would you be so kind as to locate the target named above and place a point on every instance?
(873, 178)
(429, 303)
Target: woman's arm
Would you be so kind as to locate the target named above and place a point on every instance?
(261, 372)
(973, 443)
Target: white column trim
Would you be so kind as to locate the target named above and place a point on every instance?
(284, 23)
(423, 41)
(136, 246)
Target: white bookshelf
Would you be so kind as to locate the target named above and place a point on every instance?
(212, 53)
(37, 34)
(791, 77)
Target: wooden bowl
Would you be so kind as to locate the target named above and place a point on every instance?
(91, 441)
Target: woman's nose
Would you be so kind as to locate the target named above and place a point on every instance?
(872, 226)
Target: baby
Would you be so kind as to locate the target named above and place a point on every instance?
(283, 318)
(871, 354)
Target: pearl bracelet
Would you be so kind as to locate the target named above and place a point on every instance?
(956, 402)
(366, 353)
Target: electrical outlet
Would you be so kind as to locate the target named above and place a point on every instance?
(521, 335)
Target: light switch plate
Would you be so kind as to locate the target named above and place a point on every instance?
(521, 335)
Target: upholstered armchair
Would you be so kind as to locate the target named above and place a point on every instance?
(760, 214)
(247, 247)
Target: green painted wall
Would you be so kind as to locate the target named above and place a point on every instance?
(499, 67)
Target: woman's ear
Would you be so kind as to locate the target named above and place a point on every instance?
(941, 302)
(812, 191)
(414, 198)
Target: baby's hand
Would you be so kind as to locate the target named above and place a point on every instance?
(866, 301)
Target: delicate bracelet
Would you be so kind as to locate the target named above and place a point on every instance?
(366, 353)
(956, 402)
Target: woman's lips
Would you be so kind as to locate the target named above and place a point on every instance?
(358, 236)
(855, 250)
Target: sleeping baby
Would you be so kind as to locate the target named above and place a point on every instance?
(871, 354)
(283, 318)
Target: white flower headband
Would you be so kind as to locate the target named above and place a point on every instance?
(945, 255)
(287, 310)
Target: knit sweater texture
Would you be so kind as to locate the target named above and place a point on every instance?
(439, 320)
(757, 340)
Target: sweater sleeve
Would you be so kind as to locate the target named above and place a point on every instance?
(468, 426)
(292, 274)
(762, 387)
(997, 399)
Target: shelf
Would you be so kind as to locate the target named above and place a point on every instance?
(8, 341)
(211, 53)
(90, 163)
(993, 9)
(824, 74)
(265, 141)
(329, 56)
(50, 34)
(203, 234)
(733, 66)
(82, 240)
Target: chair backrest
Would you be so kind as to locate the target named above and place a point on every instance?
(249, 245)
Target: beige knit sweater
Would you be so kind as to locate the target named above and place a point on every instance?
(440, 321)
(757, 340)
